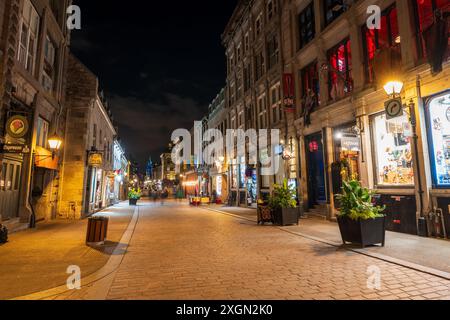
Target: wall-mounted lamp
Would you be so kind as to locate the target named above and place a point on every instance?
(393, 88)
(54, 143)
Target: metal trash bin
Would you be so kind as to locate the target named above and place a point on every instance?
(97, 230)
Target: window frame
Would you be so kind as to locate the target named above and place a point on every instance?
(302, 28)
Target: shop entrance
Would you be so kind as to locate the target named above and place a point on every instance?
(9, 189)
(316, 170)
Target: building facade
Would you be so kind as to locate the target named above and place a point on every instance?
(33, 61)
(255, 96)
(88, 177)
(316, 70)
(218, 173)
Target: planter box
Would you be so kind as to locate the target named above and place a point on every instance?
(286, 216)
(133, 202)
(363, 232)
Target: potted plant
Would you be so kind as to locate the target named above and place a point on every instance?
(283, 205)
(360, 221)
(134, 195)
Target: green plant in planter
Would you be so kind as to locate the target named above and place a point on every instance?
(134, 194)
(283, 197)
(356, 202)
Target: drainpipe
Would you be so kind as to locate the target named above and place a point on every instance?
(416, 148)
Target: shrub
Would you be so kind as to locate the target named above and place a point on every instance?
(356, 202)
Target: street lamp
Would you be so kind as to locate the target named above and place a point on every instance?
(393, 88)
(55, 143)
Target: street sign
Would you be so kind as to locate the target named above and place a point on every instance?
(394, 108)
(16, 148)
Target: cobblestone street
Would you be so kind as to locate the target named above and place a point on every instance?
(178, 252)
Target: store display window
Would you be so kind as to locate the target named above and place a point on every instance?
(439, 135)
(392, 151)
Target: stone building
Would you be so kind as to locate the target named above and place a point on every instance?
(255, 100)
(88, 172)
(345, 65)
(33, 58)
(334, 66)
(218, 173)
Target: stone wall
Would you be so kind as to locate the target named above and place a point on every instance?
(82, 88)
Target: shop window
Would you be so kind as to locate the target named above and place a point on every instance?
(3, 178)
(242, 176)
(439, 135)
(340, 74)
(424, 11)
(17, 177)
(234, 176)
(42, 133)
(307, 25)
(333, 9)
(392, 151)
(386, 37)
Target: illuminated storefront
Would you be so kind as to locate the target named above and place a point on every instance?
(392, 150)
(438, 113)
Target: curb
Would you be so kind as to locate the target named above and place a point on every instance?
(378, 256)
(108, 269)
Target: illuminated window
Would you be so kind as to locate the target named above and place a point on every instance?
(340, 74)
(424, 10)
(392, 151)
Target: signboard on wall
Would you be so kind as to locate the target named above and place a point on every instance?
(289, 92)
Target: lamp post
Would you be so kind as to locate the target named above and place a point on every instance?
(394, 89)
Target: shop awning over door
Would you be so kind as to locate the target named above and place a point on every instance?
(44, 159)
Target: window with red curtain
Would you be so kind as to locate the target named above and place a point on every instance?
(340, 75)
(425, 18)
(386, 37)
(310, 79)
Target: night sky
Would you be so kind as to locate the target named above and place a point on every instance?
(160, 64)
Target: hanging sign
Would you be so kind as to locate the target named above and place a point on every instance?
(350, 143)
(95, 159)
(394, 108)
(17, 127)
(289, 92)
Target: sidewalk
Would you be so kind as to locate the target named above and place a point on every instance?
(400, 248)
(36, 260)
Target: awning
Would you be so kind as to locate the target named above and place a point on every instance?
(44, 159)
